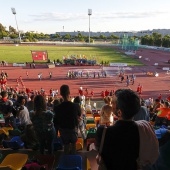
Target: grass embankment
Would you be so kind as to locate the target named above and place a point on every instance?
(22, 53)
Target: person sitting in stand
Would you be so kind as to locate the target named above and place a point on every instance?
(106, 113)
(162, 114)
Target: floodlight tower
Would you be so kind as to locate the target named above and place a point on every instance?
(14, 12)
(89, 13)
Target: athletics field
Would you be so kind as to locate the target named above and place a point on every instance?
(152, 86)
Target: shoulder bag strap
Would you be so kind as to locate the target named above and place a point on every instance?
(102, 141)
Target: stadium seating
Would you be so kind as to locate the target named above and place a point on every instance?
(88, 165)
(15, 143)
(88, 126)
(90, 121)
(14, 161)
(91, 133)
(70, 162)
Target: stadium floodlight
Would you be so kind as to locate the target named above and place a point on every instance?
(89, 13)
(14, 12)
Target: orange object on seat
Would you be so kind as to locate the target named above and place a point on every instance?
(97, 119)
(5, 130)
(79, 144)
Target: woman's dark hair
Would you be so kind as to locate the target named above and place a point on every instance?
(39, 103)
(128, 102)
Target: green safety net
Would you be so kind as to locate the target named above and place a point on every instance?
(129, 43)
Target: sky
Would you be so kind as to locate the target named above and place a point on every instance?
(50, 16)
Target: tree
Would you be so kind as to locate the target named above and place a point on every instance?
(81, 39)
(47, 36)
(113, 36)
(57, 36)
(12, 30)
(13, 35)
(157, 38)
(67, 36)
(2, 28)
(91, 40)
(29, 36)
(3, 34)
(80, 35)
(147, 40)
(103, 37)
(166, 41)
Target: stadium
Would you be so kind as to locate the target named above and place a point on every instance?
(84, 100)
(23, 76)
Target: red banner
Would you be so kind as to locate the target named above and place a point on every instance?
(39, 55)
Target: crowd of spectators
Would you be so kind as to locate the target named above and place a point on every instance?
(124, 113)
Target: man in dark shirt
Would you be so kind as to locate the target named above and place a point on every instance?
(121, 144)
(66, 119)
(30, 104)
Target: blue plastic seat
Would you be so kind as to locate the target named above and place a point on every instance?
(160, 132)
(158, 135)
(15, 143)
(70, 162)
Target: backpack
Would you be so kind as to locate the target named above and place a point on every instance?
(44, 122)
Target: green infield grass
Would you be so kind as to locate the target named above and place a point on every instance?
(22, 53)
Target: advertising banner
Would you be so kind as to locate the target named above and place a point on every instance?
(39, 55)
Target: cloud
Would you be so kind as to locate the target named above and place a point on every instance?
(58, 17)
(122, 15)
(96, 15)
